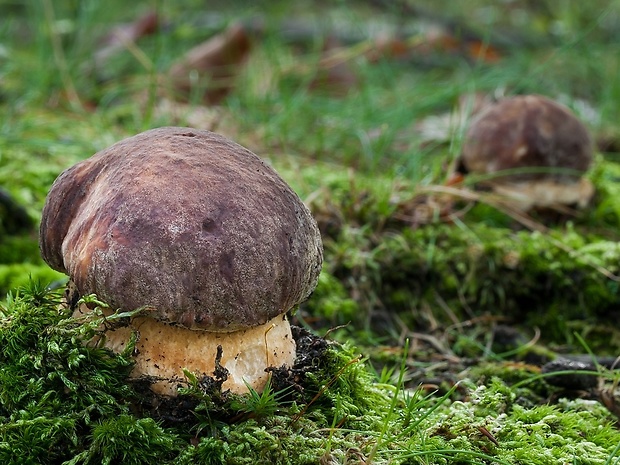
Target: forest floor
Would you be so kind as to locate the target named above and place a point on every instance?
(445, 328)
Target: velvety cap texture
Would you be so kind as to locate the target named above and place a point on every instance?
(187, 222)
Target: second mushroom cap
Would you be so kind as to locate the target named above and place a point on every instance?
(530, 150)
(528, 131)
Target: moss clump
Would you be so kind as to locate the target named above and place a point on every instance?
(579, 432)
(274, 440)
(66, 402)
(60, 397)
(128, 440)
(533, 392)
(499, 270)
(544, 279)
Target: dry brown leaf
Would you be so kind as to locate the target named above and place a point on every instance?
(211, 67)
(120, 36)
(434, 40)
(334, 74)
(387, 47)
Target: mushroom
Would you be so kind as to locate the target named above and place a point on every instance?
(203, 234)
(536, 150)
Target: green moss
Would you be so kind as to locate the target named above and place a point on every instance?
(54, 388)
(276, 441)
(546, 280)
(514, 372)
(128, 440)
(331, 301)
(63, 401)
(583, 433)
(344, 387)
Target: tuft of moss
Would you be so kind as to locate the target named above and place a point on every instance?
(59, 396)
(491, 425)
(480, 265)
(63, 401)
(128, 440)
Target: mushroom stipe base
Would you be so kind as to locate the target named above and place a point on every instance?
(524, 195)
(163, 351)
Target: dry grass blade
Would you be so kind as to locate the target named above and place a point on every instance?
(60, 59)
(503, 204)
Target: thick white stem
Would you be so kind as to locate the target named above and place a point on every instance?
(546, 193)
(163, 351)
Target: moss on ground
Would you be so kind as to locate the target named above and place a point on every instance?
(63, 401)
(483, 300)
(562, 278)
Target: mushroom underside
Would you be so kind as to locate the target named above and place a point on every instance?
(544, 193)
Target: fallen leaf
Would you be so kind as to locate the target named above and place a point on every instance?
(210, 68)
(124, 34)
(334, 74)
(435, 40)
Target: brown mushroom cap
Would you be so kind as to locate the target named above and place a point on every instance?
(187, 222)
(524, 132)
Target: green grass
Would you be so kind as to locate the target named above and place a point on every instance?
(355, 159)
(66, 402)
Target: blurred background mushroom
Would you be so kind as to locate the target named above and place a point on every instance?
(201, 232)
(530, 150)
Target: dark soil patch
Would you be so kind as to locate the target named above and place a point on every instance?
(175, 411)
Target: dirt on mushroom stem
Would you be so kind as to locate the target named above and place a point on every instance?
(291, 380)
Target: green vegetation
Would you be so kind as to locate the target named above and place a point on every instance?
(439, 311)
(65, 401)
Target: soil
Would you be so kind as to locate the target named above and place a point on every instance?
(174, 411)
